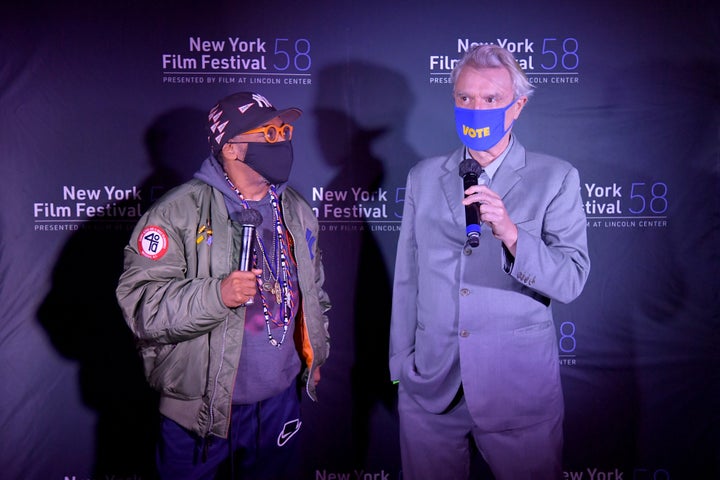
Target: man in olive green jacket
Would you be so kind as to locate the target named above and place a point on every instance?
(212, 334)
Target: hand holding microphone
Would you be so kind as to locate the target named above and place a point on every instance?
(486, 206)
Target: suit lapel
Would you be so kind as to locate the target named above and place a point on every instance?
(506, 176)
(451, 185)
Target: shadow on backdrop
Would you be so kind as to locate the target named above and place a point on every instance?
(640, 404)
(83, 320)
(361, 111)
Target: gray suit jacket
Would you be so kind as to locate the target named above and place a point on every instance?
(478, 316)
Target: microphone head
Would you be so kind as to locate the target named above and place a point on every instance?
(470, 166)
(250, 217)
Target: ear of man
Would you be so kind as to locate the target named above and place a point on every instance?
(233, 151)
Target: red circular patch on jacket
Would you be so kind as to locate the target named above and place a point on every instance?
(152, 242)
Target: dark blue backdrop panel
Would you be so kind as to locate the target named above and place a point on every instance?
(102, 110)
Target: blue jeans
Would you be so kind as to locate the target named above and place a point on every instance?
(261, 444)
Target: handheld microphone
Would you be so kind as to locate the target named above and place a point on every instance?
(249, 218)
(470, 171)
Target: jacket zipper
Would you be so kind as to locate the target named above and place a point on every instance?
(211, 406)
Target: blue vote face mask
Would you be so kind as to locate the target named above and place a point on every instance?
(481, 129)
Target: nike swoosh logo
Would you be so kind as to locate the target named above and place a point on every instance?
(289, 429)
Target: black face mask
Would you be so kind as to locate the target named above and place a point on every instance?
(271, 160)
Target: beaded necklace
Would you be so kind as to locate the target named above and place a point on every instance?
(282, 288)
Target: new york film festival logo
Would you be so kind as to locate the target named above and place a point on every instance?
(550, 60)
(357, 208)
(233, 60)
(107, 207)
(626, 204)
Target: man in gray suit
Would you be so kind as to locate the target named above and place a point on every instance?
(473, 344)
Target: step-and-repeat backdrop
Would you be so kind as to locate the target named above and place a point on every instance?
(102, 108)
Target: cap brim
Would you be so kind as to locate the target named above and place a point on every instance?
(289, 114)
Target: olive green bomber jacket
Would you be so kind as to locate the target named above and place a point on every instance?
(189, 340)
